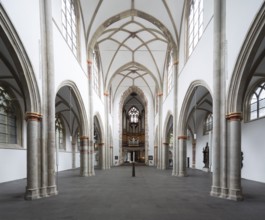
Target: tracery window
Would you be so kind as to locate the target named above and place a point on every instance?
(8, 119)
(133, 115)
(208, 123)
(195, 23)
(59, 133)
(257, 103)
(170, 74)
(95, 71)
(69, 24)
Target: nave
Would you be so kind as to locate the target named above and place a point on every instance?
(115, 194)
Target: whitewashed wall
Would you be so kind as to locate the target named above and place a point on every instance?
(253, 147)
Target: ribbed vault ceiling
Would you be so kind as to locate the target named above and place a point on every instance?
(133, 39)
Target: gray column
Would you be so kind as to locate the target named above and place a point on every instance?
(91, 169)
(235, 190)
(73, 154)
(165, 156)
(182, 155)
(160, 147)
(101, 152)
(175, 122)
(193, 154)
(111, 156)
(155, 155)
(84, 156)
(51, 188)
(216, 181)
(33, 147)
(107, 150)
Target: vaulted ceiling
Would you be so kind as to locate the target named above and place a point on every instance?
(133, 39)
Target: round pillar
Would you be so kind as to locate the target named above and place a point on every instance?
(33, 145)
(235, 190)
(84, 156)
(182, 155)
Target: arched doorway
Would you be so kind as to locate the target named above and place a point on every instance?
(168, 143)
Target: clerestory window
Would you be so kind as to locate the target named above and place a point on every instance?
(195, 23)
(69, 24)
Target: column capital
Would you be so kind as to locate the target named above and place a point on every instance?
(33, 116)
(160, 94)
(165, 143)
(182, 137)
(100, 144)
(84, 138)
(234, 116)
(106, 93)
(89, 62)
(176, 62)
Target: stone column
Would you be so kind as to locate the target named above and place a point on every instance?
(111, 156)
(107, 136)
(91, 169)
(175, 155)
(102, 164)
(155, 155)
(33, 147)
(218, 106)
(193, 154)
(84, 156)
(165, 156)
(73, 154)
(182, 155)
(234, 123)
(160, 147)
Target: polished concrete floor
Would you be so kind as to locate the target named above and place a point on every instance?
(114, 194)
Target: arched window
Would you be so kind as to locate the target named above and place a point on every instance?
(208, 124)
(170, 73)
(257, 102)
(195, 23)
(95, 70)
(8, 119)
(69, 24)
(59, 133)
(133, 115)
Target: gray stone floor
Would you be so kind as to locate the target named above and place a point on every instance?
(113, 194)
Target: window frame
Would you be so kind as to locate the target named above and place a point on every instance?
(196, 21)
(18, 120)
(253, 91)
(208, 124)
(62, 145)
(70, 25)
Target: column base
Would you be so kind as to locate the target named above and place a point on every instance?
(182, 174)
(52, 190)
(215, 192)
(32, 194)
(92, 173)
(43, 192)
(235, 194)
(224, 193)
(83, 174)
(205, 169)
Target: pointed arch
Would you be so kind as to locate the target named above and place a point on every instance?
(242, 71)
(169, 117)
(80, 105)
(25, 76)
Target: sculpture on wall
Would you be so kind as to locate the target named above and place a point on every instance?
(206, 156)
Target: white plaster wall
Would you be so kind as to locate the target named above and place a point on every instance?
(64, 160)
(237, 26)
(199, 66)
(253, 147)
(13, 164)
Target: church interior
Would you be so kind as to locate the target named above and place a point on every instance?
(93, 89)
